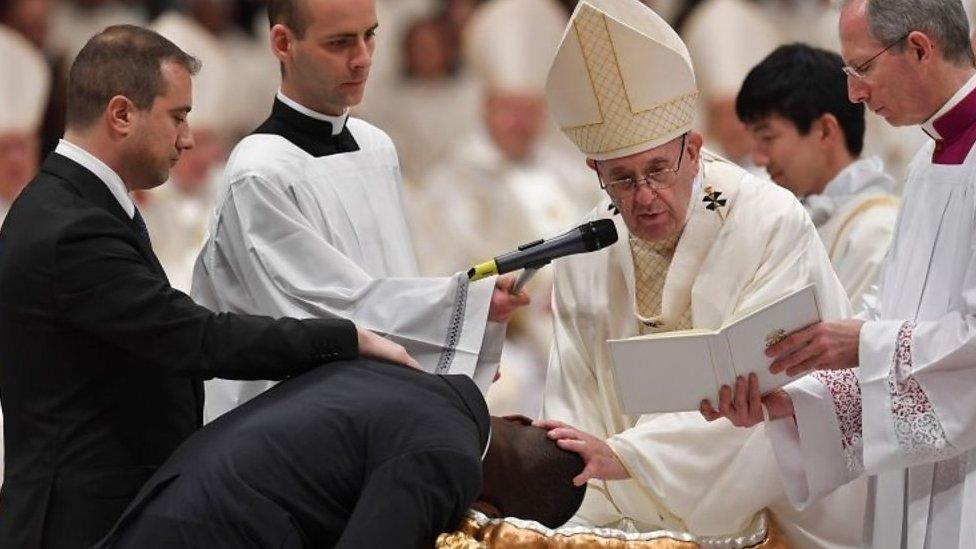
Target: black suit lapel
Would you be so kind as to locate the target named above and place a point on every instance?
(94, 190)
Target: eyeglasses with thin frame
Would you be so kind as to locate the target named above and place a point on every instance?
(858, 71)
(656, 180)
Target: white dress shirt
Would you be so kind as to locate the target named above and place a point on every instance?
(101, 170)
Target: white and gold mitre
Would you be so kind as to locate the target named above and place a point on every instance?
(622, 80)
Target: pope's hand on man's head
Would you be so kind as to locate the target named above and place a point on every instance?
(601, 461)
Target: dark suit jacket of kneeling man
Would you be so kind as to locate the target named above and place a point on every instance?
(358, 454)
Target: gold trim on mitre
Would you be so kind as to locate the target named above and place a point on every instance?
(621, 129)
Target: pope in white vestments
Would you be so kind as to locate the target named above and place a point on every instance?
(622, 87)
(896, 391)
(309, 222)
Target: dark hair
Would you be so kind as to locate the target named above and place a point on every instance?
(536, 481)
(121, 60)
(802, 83)
(290, 14)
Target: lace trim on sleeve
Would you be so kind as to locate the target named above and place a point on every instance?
(917, 427)
(453, 329)
(845, 391)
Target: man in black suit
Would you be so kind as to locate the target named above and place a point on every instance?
(101, 361)
(356, 454)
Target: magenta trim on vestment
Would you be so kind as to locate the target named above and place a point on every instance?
(958, 130)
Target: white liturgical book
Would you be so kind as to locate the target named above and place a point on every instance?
(674, 371)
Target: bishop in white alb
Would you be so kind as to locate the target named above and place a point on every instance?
(907, 414)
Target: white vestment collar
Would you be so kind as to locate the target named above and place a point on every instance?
(861, 176)
(101, 170)
(338, 122)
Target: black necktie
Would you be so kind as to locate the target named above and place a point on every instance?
(141, 228)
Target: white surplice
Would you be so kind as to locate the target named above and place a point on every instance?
(300, 236)
(907, 414)
(855, 216)
(687, 474)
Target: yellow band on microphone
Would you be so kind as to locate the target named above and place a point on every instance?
(483, 270)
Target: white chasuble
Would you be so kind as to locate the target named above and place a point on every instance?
(709, 479)
(316, 237)
(906, 414)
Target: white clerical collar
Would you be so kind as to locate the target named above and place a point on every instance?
(929, 125)
(858, 176)
(487, 442)
(862, 176)
(101, 170)
(338, 122)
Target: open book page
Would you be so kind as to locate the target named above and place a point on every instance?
(749, 337)
(674, 371)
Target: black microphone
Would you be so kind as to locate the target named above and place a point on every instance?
(588, 237)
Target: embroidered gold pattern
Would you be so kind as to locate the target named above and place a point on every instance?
(651, 263)
(621, 126)
(774, 337)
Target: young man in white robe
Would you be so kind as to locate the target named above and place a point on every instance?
(809, 139)
(310, 223)
(701, 240)
(895, 391)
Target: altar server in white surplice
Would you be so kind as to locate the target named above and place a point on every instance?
(701, 241)
(895, 391)
(309, 221)
(809, 139)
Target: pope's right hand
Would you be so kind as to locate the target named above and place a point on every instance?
(504, 304)
(375, 346)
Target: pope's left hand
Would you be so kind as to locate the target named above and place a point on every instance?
(822, 346)
(601, 462)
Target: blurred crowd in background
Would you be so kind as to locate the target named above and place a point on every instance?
(457, 84)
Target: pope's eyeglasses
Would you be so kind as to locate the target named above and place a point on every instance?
(656, 180)
(858, 72)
